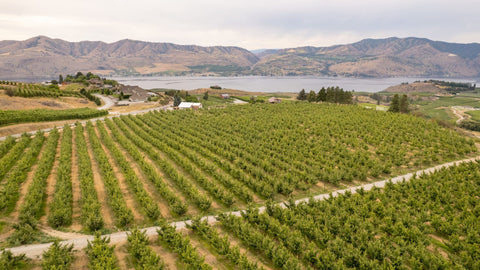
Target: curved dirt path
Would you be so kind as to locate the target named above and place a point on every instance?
(80, 241)
(108, 102)
(458, 114)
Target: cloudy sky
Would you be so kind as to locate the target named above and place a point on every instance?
(251, 24)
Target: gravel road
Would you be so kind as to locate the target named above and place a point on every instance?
(108, 102)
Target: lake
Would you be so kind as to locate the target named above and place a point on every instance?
(274, 84)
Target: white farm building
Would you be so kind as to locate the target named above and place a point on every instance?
(190, 105)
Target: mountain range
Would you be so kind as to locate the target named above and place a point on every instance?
(43, 57)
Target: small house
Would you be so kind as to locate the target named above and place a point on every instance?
(225, 96)
(134, 93)
(95, 82)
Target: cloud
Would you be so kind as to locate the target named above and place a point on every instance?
(250, 24)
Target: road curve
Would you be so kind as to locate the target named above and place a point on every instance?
(108, 102)
(458, 114)
(80, 242)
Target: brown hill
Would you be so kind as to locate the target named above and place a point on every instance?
(377, 58)
(43, 57)
(416, 87)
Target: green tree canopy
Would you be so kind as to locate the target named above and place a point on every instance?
(322, 95)
(176, 100)
(395, 104)
(302, 95)
(404, 104)
(312, 97)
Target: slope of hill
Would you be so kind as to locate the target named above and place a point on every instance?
(416, 87)
(45, 57)
(42, 56)
(377, 58)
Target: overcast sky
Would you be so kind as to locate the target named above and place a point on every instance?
(251, 24)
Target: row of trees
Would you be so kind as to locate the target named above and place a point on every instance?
(428, 222)
(222, 245)
(149, 206)
(36, 90)
(196, 159)
(177, 207)
(42, 115)
(31, 209)
(233, 155)
(329, 94)
(399, 105)
(91, 217)
(217, 191)
(61, 208)
(145, 141)
(181, 245)
(123, 214)
(9, 191)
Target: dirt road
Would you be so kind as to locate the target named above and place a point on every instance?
(458, 114)
(108, 102)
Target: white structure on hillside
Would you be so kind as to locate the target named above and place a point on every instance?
(190, 105)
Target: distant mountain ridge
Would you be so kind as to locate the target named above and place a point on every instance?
(45, 57)
(377, 58)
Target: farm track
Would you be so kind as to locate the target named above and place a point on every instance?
(80, 242)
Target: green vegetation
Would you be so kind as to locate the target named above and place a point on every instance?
(470, 125)
(148, 205)
(181, 246)
(143, 256)
(188, 163)
(81, 78)
(176, 205)
(218, 159)
(58, 257)
(330, 94)
(36, 90)
(41, 115)
(428, 223)
(9, 192)
(91, 218)
(116, 201)
(453, 87)
(34, 200)
(439, 108)
(100, 254)
(222, 244)
(61, 205)
(89, 96)
(399, 105)
(475, 115)
(10, 262)
(11, 154)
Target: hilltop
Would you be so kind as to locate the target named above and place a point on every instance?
(41, 57)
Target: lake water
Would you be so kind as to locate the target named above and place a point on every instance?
(273, 84)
